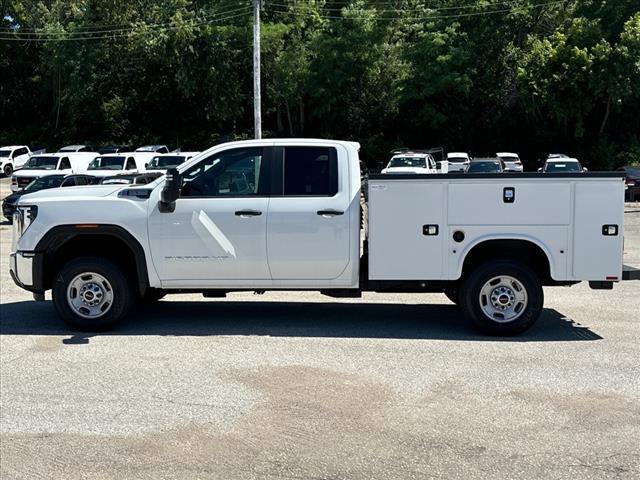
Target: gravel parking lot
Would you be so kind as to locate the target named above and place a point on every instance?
(297, 385)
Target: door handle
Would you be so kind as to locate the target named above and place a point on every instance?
(330, 213)
(248, 213)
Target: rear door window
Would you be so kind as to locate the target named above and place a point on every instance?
(310, 171)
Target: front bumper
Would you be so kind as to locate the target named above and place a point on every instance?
(25, 269)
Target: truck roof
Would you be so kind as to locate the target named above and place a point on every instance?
(13, 147)
(506, 154)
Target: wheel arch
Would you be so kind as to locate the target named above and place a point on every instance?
(522, 248)
(64, 242)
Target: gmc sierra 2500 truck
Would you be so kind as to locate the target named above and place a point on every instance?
(285, 214)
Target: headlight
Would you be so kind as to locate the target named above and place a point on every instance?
(23, 218)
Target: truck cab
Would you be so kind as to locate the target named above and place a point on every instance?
(285, 214)
(115, 164)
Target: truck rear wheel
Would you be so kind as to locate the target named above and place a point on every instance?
(502, 297)
(92, 294)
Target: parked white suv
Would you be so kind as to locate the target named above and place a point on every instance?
(561, 165)
(13, 157)
(458, 161)
(512, 162)
(411, 162)
(284, 214)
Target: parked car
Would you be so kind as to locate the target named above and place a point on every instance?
(43, 183)
(133, 179)
(75, 148)
(512, 162)
(632, 183)
(557, 155)
(412, 162)
(165, 161)
(486, 165)
(13, 157)
(458, 161)
(562, 165)
(115, 164)
(153, 149)
(49, 164)
(193, 230)
(112, 149)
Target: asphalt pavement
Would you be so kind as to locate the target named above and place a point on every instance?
(297, 385)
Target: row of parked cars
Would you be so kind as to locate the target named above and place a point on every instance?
(423, 162)
(24, 168)
(75, 165)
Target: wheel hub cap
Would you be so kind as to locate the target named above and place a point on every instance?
(503, 299)
(90, 295)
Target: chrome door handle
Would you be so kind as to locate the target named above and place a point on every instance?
(248, 213)
(330, 213)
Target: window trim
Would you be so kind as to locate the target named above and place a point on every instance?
(277, 178)
(264, 181)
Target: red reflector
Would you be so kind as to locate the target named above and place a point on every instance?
(612, 278)
(87, 225)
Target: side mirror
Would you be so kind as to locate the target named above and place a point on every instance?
(540, 170)
(171, 191)
(146, 165)
(585, 169)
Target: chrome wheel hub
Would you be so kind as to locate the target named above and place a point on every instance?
(503, 299)
(90, 295)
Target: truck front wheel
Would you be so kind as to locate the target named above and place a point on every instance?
(502, 297)
(92, 294)
(8, 170)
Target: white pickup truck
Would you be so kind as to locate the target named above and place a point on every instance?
(285, 214)
(49, 164)
(13, 157)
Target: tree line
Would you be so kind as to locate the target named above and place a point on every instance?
(531, 76)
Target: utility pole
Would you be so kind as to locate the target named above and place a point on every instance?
(257, 109)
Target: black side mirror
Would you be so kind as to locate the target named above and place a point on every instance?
(171, 191)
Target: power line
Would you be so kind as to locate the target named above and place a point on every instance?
(91, 28)
(423, 17)
(423, 9)
(115, 35)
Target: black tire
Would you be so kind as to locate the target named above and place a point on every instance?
(123, 294)
(7, 170)
(452, 294)
(471, 301)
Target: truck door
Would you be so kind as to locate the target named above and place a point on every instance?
(308, 225)
(217, 233)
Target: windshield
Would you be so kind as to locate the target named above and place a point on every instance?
(164, 162)
(50, 181)
(484, 167)
(562, 167)
(420, 162)
(5, 153)
(107, 163)
(41, 163)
